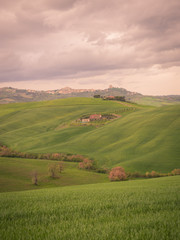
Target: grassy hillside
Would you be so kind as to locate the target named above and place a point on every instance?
(156, 100)
(138, 210)
(144, 139)
(16, 175)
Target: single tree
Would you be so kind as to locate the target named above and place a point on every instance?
(35, 178)
(86, 164)
(117, 174)
(60, 166)
(53, 169)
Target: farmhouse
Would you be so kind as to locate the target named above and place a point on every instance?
(95, 117)
(85, 120)
(109, 98)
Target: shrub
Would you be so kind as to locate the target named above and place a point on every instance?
(155, 174)
(176, 172)
(55, 156)
(148, 174)
(86, 164)
(117, 174)
(134, 175)
(152, 174)
(170, 174)
(102, 170)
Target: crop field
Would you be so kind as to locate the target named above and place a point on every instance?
(142, 139)
(138, 210)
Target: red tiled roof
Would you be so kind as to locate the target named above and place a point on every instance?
(95, 116)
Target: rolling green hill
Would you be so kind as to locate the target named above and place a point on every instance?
(142, 139)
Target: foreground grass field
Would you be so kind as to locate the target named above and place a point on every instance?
(16, 175)
(142, 140)
(138, 210)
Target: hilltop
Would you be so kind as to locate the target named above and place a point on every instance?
(11, 95)
(142, 139)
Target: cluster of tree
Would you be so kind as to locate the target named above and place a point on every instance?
(156, 174)
(108, 116)
(87, 164)
(54, 170)
(119, 174)
(97, 96)
(116, 98)
(176, 171)
(7, 152)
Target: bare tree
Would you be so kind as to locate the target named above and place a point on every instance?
(35, 178)
(52, 169)
(60, 167)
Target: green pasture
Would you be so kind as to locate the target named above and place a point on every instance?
(16, 174)
(156, 101)
(142, 139)
(138, 210)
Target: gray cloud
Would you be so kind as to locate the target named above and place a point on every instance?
(77, 38)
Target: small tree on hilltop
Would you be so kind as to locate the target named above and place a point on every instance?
(117, 174)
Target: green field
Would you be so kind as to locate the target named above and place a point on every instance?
(138, 210)
(142, 139)
(157, 100)
(16, 174)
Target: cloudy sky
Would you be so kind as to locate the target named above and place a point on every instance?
(50, 44)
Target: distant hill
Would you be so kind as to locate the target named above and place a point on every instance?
(11, 95)
(142, 139)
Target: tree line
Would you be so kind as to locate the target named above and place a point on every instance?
(115, 174)
(116, 98)
(7, 152)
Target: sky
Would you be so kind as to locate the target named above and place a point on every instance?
(50, 44)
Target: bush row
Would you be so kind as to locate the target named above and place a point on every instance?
(7, 152)
(115, 174)
(119, 174)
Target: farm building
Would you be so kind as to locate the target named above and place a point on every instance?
(85, 120)
(95, 117)
(110, 97)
